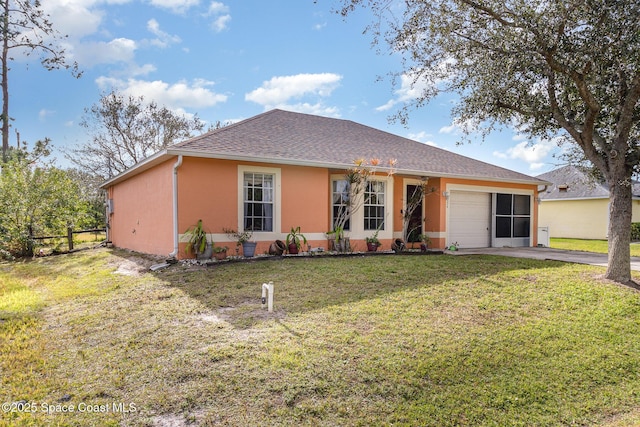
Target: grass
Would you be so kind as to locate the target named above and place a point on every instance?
(600, 246)
(382, 340)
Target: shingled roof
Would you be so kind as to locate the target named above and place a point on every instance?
(279, 136)
(570, 182)
(285, 137)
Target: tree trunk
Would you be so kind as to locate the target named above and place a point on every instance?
(5, 82)
(619, 266)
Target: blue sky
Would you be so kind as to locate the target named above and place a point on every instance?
(231, 60)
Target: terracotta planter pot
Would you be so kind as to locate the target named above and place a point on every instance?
(220, 255)
(372, 247)
(277, 248)
(398, 245)
(293, 249)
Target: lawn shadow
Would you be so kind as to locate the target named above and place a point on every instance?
(306, 284)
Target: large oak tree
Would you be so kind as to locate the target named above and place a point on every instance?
(554, 67)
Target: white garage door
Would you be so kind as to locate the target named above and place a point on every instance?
(470, 219)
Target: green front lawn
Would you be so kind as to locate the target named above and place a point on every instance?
(601, 246)
(380, 340)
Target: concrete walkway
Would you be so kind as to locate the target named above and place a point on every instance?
(577, 257)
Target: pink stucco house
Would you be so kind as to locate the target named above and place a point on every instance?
(282, 169)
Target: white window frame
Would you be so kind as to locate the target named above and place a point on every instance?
(277, 200)
(384, 205)
(357, 230)
(335, 179)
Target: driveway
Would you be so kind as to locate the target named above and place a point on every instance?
(577, 257)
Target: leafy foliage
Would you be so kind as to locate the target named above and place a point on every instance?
(125, 130)
(568, 70)
(36, 198)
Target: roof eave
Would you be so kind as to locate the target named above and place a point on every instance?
(166, 154)
(330, 165)
(139, 167)
(573, 199)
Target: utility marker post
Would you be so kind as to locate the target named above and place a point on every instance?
(267, 295)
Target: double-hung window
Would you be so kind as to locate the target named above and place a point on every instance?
(258, 191)
(374, 197)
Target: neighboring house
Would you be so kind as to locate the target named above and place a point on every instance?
(282, 169)
(576, 206)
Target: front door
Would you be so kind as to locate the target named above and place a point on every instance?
(415, 220)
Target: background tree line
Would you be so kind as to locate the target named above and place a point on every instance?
(36, 196)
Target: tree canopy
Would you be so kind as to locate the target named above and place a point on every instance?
(568, 68)
(36, 198)
(126, 129)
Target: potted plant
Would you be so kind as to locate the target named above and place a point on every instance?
(337, 241)
(454, 246)
(425, 242)
(373, 242)
(220, 252)
(243, 238)
(293, 240)
(198, 241)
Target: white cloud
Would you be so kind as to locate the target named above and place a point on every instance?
(117, 50)
(413, 87)
(452, 128)
(459, 126)
(423, 137)
(217, 8)
(163, 39)
(43, 114)
(280, 90)
(74, 18)
(221, 17)
(141, 70)
(176, 6)
(410, 89)
(221, 23)
(531, 153)
(177, 96)
(318, 109)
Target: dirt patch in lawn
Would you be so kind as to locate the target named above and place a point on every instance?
(134, 264)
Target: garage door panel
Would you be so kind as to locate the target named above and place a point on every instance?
(470, 219)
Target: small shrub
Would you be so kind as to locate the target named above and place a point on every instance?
(635, 231)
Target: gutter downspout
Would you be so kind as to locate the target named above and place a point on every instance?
(175, 208)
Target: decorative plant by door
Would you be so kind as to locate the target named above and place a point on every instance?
(414, 200)
(356, 179)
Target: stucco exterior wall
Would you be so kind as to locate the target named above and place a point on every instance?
(449, 184)
(142, 218)
(435, 203)
(211, 190)
(579, 219)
